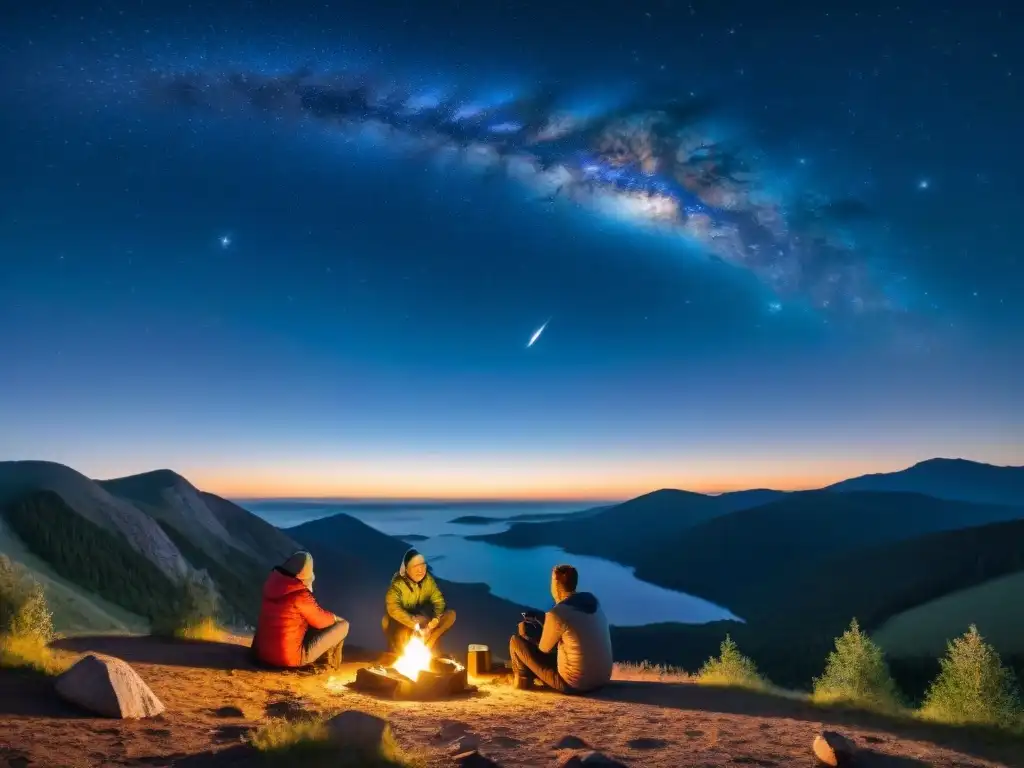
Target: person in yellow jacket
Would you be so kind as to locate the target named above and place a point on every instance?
(414, 601)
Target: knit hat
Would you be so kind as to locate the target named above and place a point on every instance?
(412, 557)
(299, 565)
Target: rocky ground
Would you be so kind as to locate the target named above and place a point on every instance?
(213, 698)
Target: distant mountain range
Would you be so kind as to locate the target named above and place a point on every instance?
(953, 479)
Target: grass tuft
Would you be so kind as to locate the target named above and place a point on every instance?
(645, 670)
(203, 629)
(28, 653)
(306, 742)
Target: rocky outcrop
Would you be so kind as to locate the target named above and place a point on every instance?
(109, 687)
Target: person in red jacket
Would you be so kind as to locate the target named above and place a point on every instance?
(293, 630)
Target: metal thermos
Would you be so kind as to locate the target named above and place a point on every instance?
(478, 660)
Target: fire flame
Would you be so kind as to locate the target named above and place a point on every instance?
(415, 657)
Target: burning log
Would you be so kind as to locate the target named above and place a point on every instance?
(416, 674)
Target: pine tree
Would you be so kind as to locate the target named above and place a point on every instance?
(973, 687)
(856, 673)
(731, 668)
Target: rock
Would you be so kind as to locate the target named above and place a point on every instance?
(834, 749)
(475, 759)
(109, 687)
(358, 730)
(467, 742)
(591, 758)
(452, 729)
(570, 742)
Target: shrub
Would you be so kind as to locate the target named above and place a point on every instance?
(195, 615)
(23, 611)
(973, 686)
(731, 668)
(26, 626)
(856, 673)
(306, 742)
(240, 587)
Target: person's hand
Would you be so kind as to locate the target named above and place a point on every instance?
(433, 623)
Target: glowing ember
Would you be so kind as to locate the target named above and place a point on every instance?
(415, 658)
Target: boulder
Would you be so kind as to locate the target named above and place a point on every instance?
(109, 687)
(358, 730)
(834, 749)
(570, 742)
(591, 758)
(475, 759)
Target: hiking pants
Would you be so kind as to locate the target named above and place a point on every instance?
(528, 660)
(398, 634)
(317, 642)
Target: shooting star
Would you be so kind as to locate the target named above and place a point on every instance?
(537, 333)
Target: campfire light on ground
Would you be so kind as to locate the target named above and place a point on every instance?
(415, 658)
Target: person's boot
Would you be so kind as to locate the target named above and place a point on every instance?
(334, 658)
(522, 681)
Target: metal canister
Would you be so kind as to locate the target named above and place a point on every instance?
(478, 660)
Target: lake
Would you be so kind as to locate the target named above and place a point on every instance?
(521, 575)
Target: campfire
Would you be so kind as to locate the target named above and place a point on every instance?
(415, 658)
(415, 674)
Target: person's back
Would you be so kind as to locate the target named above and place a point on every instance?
(585, 647)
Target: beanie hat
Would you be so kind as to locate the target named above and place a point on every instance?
(412, 557)
(299, 565)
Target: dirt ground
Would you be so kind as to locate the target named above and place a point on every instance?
(214, 697)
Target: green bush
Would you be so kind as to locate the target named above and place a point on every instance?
(23, 611)
(856, 673)
(95, 559)
(26, 626)
(973, 687)
(731, 668)
(195, 615)
(240, 586)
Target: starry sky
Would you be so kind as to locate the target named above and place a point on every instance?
(274, 304)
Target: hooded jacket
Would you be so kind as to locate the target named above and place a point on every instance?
(288, 611)
(578, 627)
(406, 599)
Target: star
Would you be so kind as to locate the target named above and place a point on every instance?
(225, 241)
(923, 184)
(775, 307)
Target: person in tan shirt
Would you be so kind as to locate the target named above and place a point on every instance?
(572, 652)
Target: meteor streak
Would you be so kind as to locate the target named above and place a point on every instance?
(537, 333)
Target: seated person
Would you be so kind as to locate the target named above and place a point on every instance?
(572, 652)
(412, 600)
(293, 630)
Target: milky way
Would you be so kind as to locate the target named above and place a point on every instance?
(653, 164)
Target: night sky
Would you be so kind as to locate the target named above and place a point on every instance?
(288, 295)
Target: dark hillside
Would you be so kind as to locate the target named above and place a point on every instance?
(729, 559)
(95, 559)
